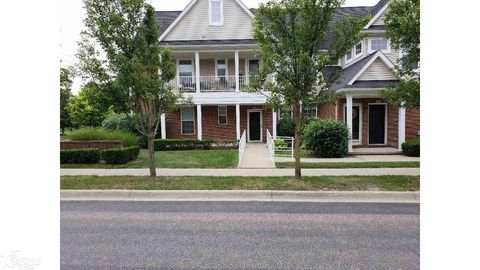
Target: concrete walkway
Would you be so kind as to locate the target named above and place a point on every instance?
(256, 156)
(360, 158)
(241, 172)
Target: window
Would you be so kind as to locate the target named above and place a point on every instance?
(221, 68)
(349, 56)
(185, 72)
(310, 112)
(358, 50)
(379, 44)
(253, 67)
(215, 8)
(222, 115)
(188, 124)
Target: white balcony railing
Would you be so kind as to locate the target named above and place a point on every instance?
(210, 83)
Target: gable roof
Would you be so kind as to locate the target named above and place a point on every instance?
(376, 11)
(166, 18)
(192, 3)
(353, 72)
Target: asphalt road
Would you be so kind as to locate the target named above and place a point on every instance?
(239, 235)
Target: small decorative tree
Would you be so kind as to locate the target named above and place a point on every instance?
(291, 35)
(120, 48)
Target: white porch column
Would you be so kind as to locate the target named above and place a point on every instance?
(401, 127)
(237, 121)
(197, 72)
(199, 122)
(274, 124)
(349, 122)
(163, 126)
(237, 68)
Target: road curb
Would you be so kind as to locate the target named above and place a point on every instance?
(241, 195)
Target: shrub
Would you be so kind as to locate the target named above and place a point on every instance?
(286, 127)
(115, 121)
(181, 144)
(120, 156)
(280, 143)
(85, 156)
(411, 148)
(226, 144)
(89, 134)
(327, 138)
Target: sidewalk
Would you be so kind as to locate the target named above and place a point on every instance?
(241, 172)
(360, 158)
(241, 195)
(256, 156)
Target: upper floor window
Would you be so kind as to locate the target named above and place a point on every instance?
(349, 56)
(221, 70)
(358, 50)
(185, 68)
(253, 67)
(215, 10)
(379, 44)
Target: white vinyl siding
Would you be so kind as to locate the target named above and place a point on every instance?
(379, 20)
(378, 71)
(237, 24)
(187, 118)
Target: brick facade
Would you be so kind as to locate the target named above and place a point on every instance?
(412, 121)
(211, 129)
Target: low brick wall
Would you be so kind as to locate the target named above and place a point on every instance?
(65, 145)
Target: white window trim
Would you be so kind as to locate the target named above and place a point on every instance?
(355, 55)
(360, 126)
(178, 68)
(346, 58)
(181, 121)
(226, 115)
(388, 50)
(210, 21)
(216, 67)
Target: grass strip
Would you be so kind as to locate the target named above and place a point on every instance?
(341, 183)
(344, 165)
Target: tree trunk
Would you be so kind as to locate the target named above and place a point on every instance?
(298, 141)
(151, 156)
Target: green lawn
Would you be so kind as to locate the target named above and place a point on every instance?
(352, 183)
(176, 159)
(334, 165)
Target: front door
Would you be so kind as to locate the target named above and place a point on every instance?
(376, 123)
(254, 126)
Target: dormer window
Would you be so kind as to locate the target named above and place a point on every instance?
(349, 56)
(379, 44)
(215, 11)
(358, 50)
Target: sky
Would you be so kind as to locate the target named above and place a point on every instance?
(72, 15)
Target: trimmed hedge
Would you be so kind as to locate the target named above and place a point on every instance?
(120, 156)
(81, 156)
(327, 138)
(226, 144)
(93, 134)
(181, 144)
(411, 148)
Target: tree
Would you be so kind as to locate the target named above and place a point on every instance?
(120, 48)
(291, 35)
(402, 24)
(65, 97)
(83, 111)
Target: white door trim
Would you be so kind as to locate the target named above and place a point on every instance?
(261, 124)
(386, 124)
(355, 142)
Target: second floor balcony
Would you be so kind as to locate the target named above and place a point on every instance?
(211, 83)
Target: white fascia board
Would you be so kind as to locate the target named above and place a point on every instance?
(242, 5)
(377, 55)
(175, 22)
(379, 13)
(228, 98)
